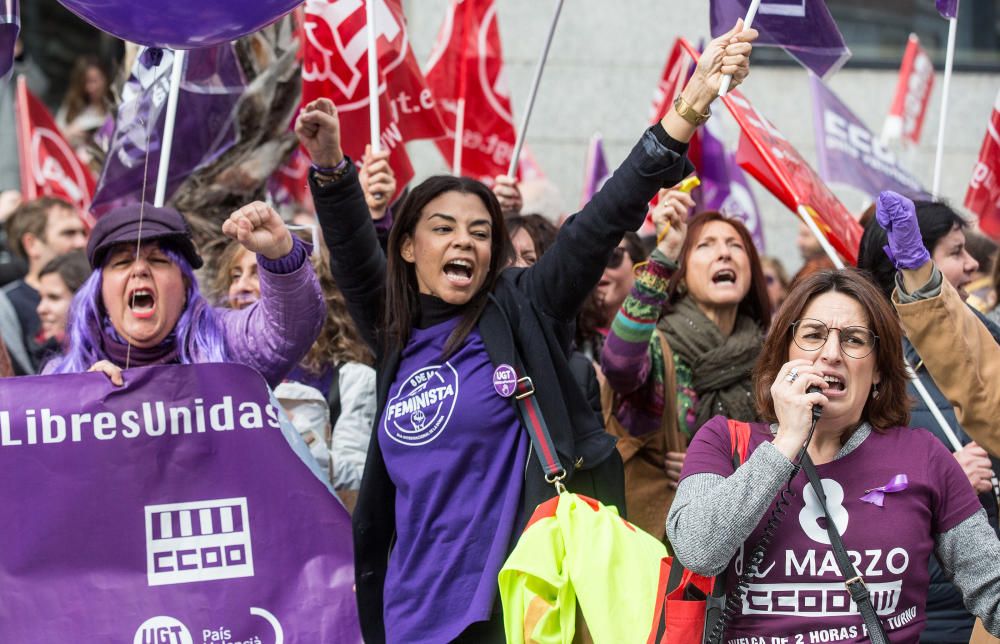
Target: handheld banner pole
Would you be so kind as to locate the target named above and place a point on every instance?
(949, 62)
(523, 130)
(933, 408)
(373, 97)
(456, 156)
(806, 217)
(176, 76)
(747, 23)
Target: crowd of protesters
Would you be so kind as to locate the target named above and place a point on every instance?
(642, 354)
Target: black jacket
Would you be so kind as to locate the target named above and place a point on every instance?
(540, 303)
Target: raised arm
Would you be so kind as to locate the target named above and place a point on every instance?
(356, 259)
(564, 276)
(274, 333)
(957, 349)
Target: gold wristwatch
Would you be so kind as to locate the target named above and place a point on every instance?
(688, 113)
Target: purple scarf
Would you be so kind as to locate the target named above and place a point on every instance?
(116, 349)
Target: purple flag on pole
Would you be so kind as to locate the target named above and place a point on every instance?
(724, 185)
(10, 26)
(849, 153)
(171, 510)
(804, 28)
(947, 8)
(596, 169)
(205, 127)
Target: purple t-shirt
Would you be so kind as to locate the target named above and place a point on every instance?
(799, 595)
(456, 451)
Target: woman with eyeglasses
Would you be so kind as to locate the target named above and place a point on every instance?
(939, 229)
(681, 348)
(893, 494)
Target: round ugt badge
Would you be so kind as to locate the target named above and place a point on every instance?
(422, 407)
(505, 380)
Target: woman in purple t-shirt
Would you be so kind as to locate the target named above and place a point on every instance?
(894, 494)
(449, 481)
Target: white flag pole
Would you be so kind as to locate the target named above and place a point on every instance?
(949, 62)
(373, 97)
(747, 23)
(820, 237)
(456, 157)
(523, 130)
(176, 76)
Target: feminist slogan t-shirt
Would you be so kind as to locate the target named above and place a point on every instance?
(456, 452)
(798, 595)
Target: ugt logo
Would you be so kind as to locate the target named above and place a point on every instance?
(198, 541)
(162, 629)
(337, 31)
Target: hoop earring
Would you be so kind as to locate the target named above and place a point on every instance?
(875, 391)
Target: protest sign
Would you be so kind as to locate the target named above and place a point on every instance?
(169, 511)
(49, 166)
(983, 195)
(849, 153)
(466, 73)
(335, 66)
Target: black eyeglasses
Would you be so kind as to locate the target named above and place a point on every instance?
(617, 256)
(855, 341)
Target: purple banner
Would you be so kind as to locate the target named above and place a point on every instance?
(10, 26)
(596, 172)
(168, 511)
(849, 153)
(804, 28)
(947, 8)
(204, 129)
(724, 186)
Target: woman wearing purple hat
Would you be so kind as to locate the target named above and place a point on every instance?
(141, 306)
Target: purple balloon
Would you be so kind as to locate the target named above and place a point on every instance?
(180, 24)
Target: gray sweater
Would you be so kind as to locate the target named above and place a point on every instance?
(712, 516)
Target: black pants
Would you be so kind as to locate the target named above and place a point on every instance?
(490, 632)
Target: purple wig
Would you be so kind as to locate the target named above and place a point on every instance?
(198, 332)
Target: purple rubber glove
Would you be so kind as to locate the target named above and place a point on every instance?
(898, 217)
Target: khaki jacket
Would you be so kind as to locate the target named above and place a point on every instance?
(962, 358)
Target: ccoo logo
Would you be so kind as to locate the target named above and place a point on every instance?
(422, 407)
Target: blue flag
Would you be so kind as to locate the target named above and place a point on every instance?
(803, 28)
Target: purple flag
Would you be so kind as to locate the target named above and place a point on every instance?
(10, 26)
(204, 128)
(947, 8)
(168, 510)
(849, 153)
(804, 28)
(596, 169)
(724, 186)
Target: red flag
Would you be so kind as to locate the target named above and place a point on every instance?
(775, 163)
(983, 195)
(913, 92)
(49, 166)
(675, 74)
(467, 63)
(335, 66)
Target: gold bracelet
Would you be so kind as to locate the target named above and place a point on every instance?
(688, 113)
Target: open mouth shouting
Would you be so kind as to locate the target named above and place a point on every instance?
(459, 272)
(724, 276)
(142, 303)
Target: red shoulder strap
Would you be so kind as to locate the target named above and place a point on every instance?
(739, 438)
